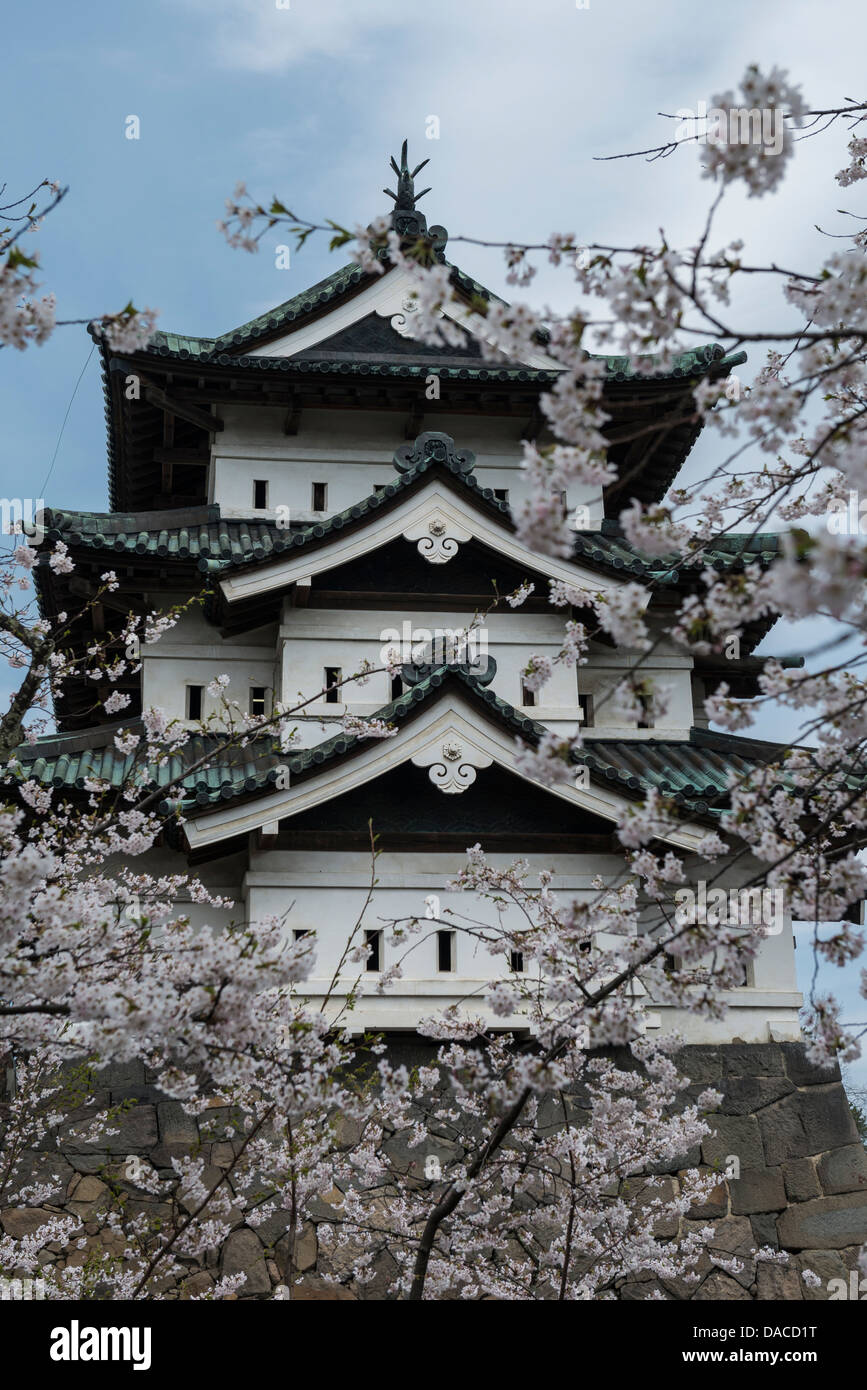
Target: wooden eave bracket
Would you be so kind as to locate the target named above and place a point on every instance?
(155, 395)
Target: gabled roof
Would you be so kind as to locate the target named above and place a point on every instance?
(219, 545)
(346, 280)
(299, 355)
(213, 542)
(290, 356)
(694, 774)
(256, 561)
(233, 347)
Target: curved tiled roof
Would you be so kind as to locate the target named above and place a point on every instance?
(233, 348)
(217, 543)
(729, 552)
(230, 355)
(693, 773)
(209, 351)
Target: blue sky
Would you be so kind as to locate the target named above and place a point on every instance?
(309, 101)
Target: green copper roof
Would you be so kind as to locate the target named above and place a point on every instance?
(184, 534)
(282, 317)
(231, 349)
(609, 546)
(213, 352)
(201, 535)
(308, 301)
(693, 773)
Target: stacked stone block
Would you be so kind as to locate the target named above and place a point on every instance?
(784, 1127)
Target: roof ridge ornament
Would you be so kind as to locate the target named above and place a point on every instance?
(477, 664)
(433, 446)
(407, 221)
(406, 197)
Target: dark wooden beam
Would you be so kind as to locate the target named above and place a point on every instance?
(168, 441)
(169, 500)
(82, 589)
(193, 414)
(413, 425)
(533, 425)
(186, 456)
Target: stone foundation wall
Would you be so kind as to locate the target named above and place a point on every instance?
(802, 1184)
(784, 1127)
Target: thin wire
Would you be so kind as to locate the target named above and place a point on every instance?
(65, 418)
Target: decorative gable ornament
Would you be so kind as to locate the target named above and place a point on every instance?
(398, 321)
(451, 764)
(438, 538)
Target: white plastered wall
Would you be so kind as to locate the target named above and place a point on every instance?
(326, 894)
(352, 452)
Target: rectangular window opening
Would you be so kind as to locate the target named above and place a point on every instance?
(260, 495)
(502, 494)
(194, 701)
(333, 678)
(671, 963)
(258, 701)
(645, 720)
(516, 962)
(396, 687)
(585, 710)
(445, 951)
(373, 940)
(300, 932)
(528, 696)
(320, 497)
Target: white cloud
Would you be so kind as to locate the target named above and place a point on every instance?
(257, 36)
